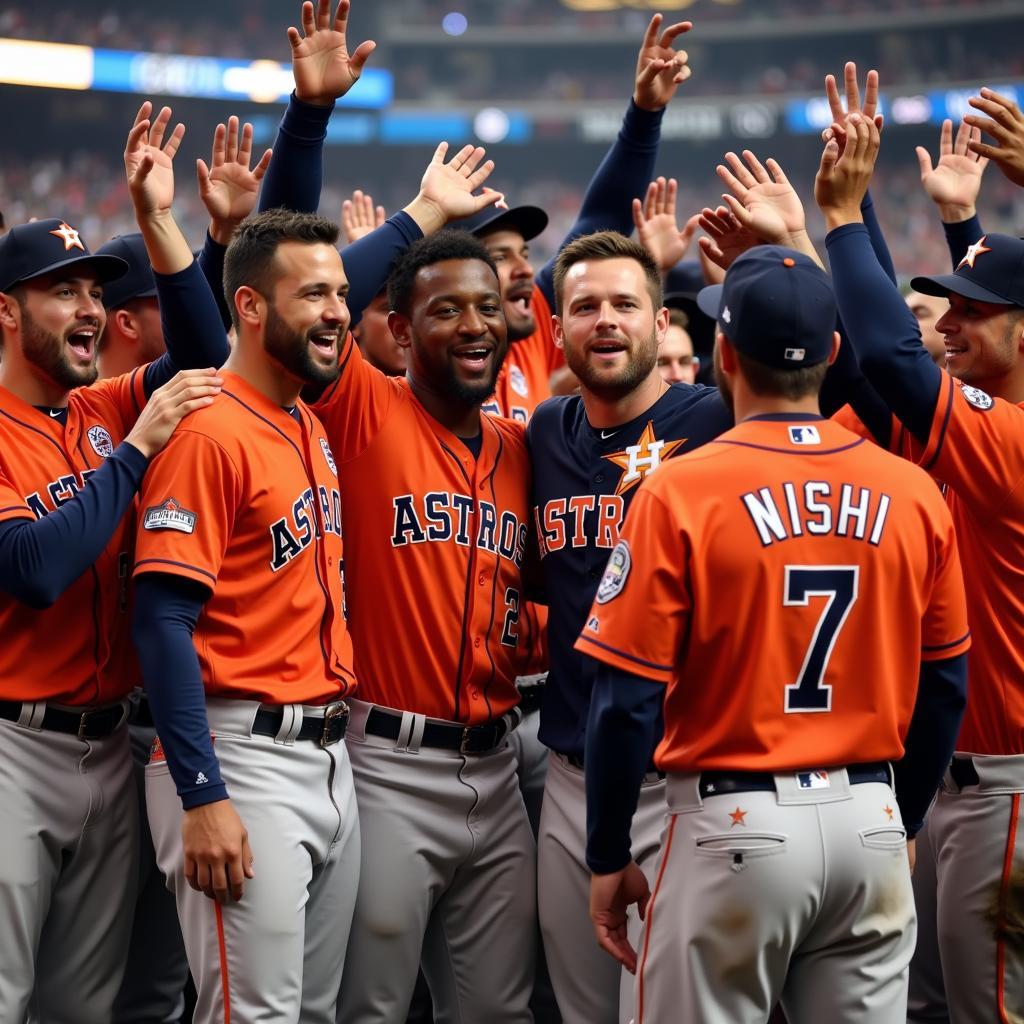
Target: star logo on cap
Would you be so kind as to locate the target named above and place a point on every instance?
(727, 316)
(973, 252)
(69, 236)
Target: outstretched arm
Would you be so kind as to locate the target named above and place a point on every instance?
(192, 327)
(628, 166)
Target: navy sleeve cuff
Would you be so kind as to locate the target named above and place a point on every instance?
(199, 797)
(960, 235)
(641, 127)
(306, 121)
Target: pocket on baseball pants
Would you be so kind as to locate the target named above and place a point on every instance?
(884, 837)
(754, 844)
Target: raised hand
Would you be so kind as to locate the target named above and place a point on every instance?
(660, 68)
(228, 187)
(840, 113)
(149, 161)
(321, 65)
(657, 227)
(724, 241)
(762, 200)
(447, 189)
(954, 182)
(359, 216)
(1005, 123)
(843, 180)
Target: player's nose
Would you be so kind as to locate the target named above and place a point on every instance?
(90, 307)
(522, 268)
(471, 322)
(606, 314)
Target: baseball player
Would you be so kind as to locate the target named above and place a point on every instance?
(435, 512)
(250, 793)
(72, 454)
(589, 454)
(964, 427)
(783, 873)
(677, 363)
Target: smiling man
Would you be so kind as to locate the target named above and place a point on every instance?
(435, 505)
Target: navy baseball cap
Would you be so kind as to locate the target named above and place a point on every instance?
(991, 271)
(529, 221)
(138, 282)
(776, 306)
(28, 250)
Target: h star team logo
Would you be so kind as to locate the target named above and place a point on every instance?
(69, 236)
(973, 252)
(642, 458)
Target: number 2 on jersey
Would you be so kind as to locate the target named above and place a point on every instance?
(837, 583)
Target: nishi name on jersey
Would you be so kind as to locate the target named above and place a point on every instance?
(441, 516)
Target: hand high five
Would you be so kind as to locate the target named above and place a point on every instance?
(228, 187)
(149, 161)
(660, 68)
(323, 69)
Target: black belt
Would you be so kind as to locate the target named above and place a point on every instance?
(140, 713)
(963, 772)
(466, 739)
(577, 762)
(325, 731)
(86, 725)
(530, 697)
(719, 783)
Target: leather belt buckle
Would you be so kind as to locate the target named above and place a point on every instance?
(335, 724)
(83, 723)
(467, 736)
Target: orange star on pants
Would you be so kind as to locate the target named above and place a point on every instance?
(738, 817)
(888, 810)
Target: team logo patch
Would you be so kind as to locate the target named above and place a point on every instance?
(795, 355)
(169, 515)
(813, 780)
(593, 624)
(804, 435)
(101, 442)
(976, 397)
(517, 381)
(615, 574)
(326, 449)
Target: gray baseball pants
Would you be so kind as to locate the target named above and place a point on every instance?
(277, 954)
(589, 985)
(68, 848)
(799, 896)
(969, 888)
(448, 875)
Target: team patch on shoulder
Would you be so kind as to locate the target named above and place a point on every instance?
(976, 397)
(616, 573)
(517, 381)
(169, 515)
(100, 440)
(326, 449)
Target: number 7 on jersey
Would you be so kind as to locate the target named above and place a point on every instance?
(837, 583)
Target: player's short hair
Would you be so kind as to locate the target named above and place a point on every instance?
(771, 382)
(438, 248)
(678, 318)
(606, 245)
(249, 261)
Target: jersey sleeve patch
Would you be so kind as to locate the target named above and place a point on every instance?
(169, 515)
(615, 574)
(977, 398)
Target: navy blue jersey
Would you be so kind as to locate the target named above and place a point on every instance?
(583, 482)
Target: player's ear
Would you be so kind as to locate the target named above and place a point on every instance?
(401, 328)
(556, 330)
(10, 312)
(726, 354)
(125, 323)
(249, 304)
(836, 342)
(661, 324)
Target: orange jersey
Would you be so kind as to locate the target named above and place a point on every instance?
(435, 548)
(78, 650)
(524, 380)
(785, 581)
(976, 450)
(244, 500)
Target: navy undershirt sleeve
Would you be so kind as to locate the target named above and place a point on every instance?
(211, 263)
(622, 732)
(941, 699)
(960, 235)
(41, 558)
(624, 174)
(878, 243)
(295, 176)
(166, 610)
(884, 332)
(368, 260)
(193, 329)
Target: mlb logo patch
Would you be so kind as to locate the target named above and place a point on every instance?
(169, 515)
(804, 435)
(593, 624)
(795, 355)
(813, 780)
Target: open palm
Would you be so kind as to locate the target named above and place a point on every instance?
(321, 64)
(149, 161)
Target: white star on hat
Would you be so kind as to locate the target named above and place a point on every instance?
(69, 236)
(726, 316)
(973, 252)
